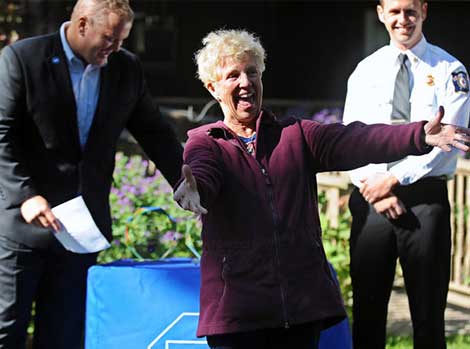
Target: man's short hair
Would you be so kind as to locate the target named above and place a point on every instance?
(381, 2)
(97, 10)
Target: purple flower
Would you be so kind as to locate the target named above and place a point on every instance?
(320, 116)
(119, 194)
(328, 116)
(124, 201)
(165, 189)
(180, 219)
(143, 186)
(126, 188)
(171, 236)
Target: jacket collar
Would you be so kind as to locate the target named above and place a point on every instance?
(59, 71)
(415, 54)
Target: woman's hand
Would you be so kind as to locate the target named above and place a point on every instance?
(187, 195)
(446, 136)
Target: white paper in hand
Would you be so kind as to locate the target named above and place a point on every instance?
(79, 232)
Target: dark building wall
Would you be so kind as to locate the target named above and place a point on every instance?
(447, 26)
(312, 46)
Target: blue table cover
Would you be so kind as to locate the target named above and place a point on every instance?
(155, 305)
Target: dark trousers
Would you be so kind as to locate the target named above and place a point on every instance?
(303, 336)
(56, 281)
(421, 240)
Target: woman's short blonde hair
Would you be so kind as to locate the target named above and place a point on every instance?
(224, 44)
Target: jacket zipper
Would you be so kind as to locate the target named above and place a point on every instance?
(276, 233)
(276, 242)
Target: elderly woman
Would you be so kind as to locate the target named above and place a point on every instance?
(265, 281)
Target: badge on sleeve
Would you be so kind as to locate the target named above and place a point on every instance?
(460, 81)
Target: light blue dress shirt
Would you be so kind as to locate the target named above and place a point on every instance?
(86, 84)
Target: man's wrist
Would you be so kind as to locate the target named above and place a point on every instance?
(392, 181)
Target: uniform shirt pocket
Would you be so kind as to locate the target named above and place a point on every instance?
(423, 103)
(384, 96)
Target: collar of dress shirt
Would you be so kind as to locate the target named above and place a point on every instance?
(71, 57)
(75, 63)
(415, 54)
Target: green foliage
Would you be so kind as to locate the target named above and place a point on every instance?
(453, 342)
(336, 244)
(458, 342)
(147, 223)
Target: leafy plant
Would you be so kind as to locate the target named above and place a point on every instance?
(147, 223)
(336, 244)
(453, 342)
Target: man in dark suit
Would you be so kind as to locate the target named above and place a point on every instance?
(64, 100)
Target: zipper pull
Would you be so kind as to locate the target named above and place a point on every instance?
(266, 177)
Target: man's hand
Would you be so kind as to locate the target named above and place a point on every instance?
(446, 136)
(187, 195)
(36, 211)
(377, 186)
(391, 207)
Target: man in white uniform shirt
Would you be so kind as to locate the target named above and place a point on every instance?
(401, 210)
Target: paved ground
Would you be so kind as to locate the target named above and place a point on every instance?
(399, 323)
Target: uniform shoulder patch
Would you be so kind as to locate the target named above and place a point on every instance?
(460, 80)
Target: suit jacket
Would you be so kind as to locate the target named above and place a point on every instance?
(40, 152)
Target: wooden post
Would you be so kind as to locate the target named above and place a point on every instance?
(459, 234)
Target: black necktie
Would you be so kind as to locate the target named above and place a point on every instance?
(401, 95)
